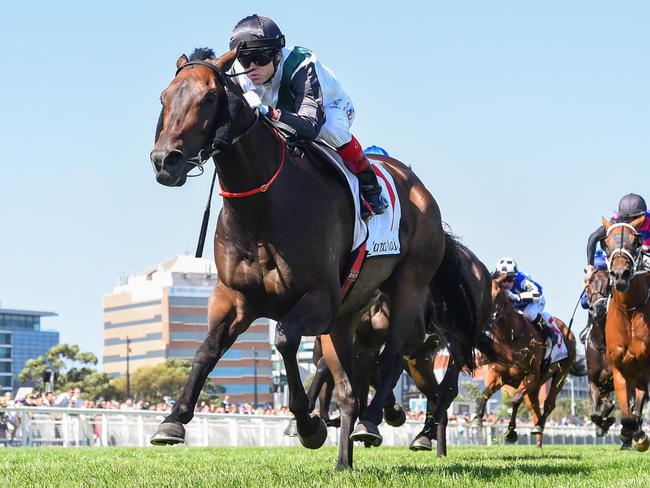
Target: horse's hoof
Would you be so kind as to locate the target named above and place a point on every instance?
(168, 434)
(539, 439)
(317, 439)
(336, 422)
(626, 446)
(538, 429)
(596, 419)
(366, 432)
(292, 429)
(421, 443)
(640, 442)
(394, 416)
(511, 436)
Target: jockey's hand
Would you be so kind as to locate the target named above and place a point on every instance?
(590, 272)
(254, 101)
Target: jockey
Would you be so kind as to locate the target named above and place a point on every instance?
(630, 208)
(599, 263)
(293, 87)
(525, 294)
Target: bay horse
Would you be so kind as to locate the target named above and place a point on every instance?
(627, 329)
(522, 347)
(371, 336)
(601, 383)
(282, 245)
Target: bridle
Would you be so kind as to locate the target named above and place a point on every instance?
(214, 148)
(634, 258)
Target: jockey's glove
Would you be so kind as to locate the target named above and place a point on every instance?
(527, 295)
(254, 101)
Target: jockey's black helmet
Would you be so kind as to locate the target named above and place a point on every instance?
(256, 32)
(632, 206)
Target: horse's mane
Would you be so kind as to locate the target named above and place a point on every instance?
(202, 53)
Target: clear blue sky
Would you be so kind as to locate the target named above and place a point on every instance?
(526, 120)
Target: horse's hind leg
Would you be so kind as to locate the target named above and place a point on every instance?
(406, 321)
(337, 351)
(227, 318)
(491, 387)
(421, 370)
(312, 315)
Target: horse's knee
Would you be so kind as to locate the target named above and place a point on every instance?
(286, 342)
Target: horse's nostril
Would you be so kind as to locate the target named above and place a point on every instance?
(173, 161)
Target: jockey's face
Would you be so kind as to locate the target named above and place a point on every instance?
(260, 74)
(508, 282)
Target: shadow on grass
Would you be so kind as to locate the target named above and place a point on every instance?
(486, 472)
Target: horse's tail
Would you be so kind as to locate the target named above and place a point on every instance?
(459, 322)
(579, 367)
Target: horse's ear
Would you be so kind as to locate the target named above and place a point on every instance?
(182, 59)
(226, 60)
(606, 223)
(636, 223)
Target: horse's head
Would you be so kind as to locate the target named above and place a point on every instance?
(597, 293)
(623, 246)
(197, 116)
(500, 300)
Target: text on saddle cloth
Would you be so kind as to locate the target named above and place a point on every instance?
(559, 351)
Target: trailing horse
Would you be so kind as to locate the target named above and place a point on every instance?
(282, 244)
(522, 346)
(627, 330)
(601, 383)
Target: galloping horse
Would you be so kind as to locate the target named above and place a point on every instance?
(521, 345)
(282, 245)
(601, 384)
(371, 336)
(627, 330)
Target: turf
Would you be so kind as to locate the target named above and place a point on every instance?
(506, 466)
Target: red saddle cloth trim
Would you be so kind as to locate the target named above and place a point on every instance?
(355, 269)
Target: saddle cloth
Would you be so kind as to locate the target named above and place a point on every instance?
(559, 351)
(380, 232)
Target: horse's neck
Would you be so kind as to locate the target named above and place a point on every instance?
(247, 165)
(636, 296)
(511, 325)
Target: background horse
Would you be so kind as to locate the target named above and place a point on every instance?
(601, 383)
(282, 246)
(627, 329)
(371, 336)
(522, 348)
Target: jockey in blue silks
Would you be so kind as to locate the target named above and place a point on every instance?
(526, 295)
(600, 262)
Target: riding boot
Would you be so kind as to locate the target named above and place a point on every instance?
(544, 328)
(357, 162)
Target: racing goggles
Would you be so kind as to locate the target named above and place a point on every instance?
(259, 57)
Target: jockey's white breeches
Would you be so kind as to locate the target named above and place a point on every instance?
(339, 115)
(533, 309)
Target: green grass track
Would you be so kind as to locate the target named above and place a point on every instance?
(503, 466)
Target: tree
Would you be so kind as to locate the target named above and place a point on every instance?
(72, 365)
(152, 383)
(472, 390)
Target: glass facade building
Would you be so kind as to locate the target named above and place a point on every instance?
(21, 339)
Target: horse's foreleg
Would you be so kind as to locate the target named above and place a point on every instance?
(321, 378)
(337, 351)
(628, 421)
(227, 318)
(490, 388)
(311, 315)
